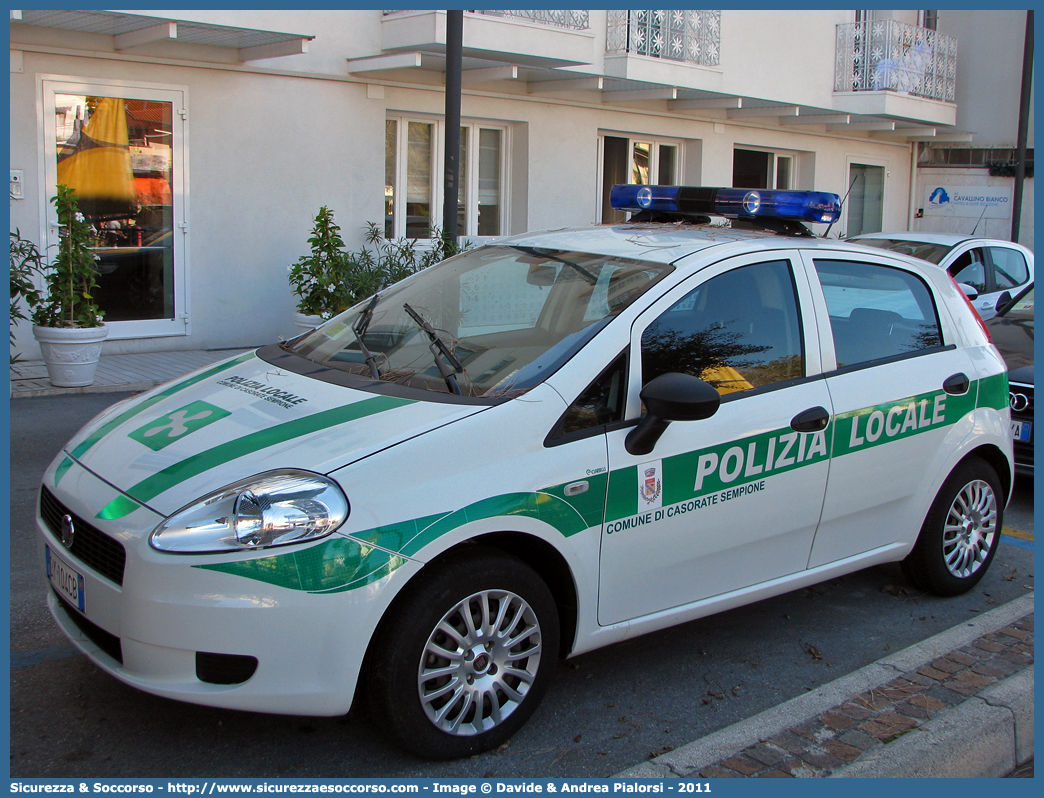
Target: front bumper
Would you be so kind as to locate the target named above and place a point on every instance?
(169, 627)
(1023, 449)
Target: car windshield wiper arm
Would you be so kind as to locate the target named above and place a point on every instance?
(535, 252)
(437, 347)
(359, 329)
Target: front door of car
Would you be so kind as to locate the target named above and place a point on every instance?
(732, 500)
(992, 271)
(898, 389)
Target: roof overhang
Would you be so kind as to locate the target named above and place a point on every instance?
(139, 32)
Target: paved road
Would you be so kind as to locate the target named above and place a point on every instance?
(605, 711)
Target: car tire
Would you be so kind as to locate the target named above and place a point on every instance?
(960, 535)
(465, 656)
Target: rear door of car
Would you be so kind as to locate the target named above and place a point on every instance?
(901, 390)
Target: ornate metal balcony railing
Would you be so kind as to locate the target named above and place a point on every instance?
(691, 36)
(888, 55)
(573, 20)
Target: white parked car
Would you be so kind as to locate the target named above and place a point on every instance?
(996, 269)
(533, 449)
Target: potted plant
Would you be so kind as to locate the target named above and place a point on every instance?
(67, 322)
(26, 263)
(317, 279)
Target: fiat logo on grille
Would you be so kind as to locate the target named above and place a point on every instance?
(1018, 401)
(68, 531)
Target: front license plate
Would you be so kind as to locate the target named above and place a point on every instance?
(1022, 430)
(65, 580)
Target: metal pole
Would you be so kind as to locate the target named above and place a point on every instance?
(1024, 103)
(454, 44)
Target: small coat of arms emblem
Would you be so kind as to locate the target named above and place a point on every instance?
(651, 486)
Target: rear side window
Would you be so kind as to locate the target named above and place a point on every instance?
(877, 312)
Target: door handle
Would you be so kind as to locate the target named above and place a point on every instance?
(815, 419)
(957, 384)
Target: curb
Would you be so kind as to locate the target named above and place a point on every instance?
(997, 721)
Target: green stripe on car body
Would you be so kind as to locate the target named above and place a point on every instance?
(192, 466)
(334, 566)
(993, 391)
(61, 470)
(145, 404)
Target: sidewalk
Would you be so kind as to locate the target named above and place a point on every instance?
(957, 705)
(117, 372)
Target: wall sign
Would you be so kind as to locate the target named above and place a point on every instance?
(951, 200)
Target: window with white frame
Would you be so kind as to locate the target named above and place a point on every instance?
(121, 147)
(413, 169)
(640, 161)
(762, 169)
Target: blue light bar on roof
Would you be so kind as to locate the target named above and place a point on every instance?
(805, 206)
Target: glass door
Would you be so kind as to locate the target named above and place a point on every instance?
(121, 150)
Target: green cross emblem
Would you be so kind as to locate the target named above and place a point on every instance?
(174, 426)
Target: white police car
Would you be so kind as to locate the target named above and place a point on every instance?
(533, 449)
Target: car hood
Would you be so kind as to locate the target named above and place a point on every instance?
(181, 441)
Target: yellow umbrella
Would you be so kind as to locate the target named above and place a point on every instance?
(98, 168)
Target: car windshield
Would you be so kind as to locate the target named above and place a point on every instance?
(933, 253)
(491, 322)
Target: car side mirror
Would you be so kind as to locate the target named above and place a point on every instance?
(1003, 301)
(969, 291)
(667, 398)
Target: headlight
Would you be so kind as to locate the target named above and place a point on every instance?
(271, 509)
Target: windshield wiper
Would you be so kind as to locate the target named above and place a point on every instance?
(536, 252)
(437, 347)
(359, 329)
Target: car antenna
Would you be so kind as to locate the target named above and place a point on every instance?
(854, 179)
(984, 207)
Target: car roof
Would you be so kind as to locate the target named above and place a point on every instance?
(661, 242)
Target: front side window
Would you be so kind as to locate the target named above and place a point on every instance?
(738, 331)
(1009, 268)
(601, 403)
(505, 318)
(413, 167)
(877, 312)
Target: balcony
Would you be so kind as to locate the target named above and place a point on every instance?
(896, 67)
(670, 47)
(690, 36)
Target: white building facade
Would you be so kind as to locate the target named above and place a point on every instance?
(232, 128)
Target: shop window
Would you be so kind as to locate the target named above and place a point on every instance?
(121, 150)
